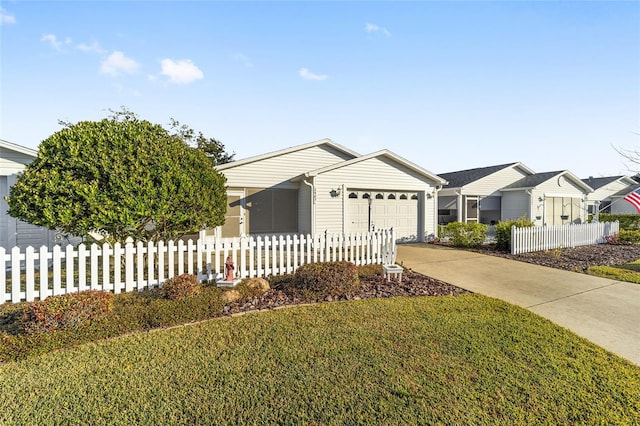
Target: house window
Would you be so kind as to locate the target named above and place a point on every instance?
(379, 197)
(391, 197)
(414, 197)
(353, 195)
(366, 196)
(403, 197)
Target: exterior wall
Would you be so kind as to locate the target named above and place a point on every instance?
(492, 184)
(277, 171)
(515, 204)
(622, 207)
(14, 232)
(373, 174)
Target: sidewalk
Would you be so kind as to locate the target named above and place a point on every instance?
(605, 311)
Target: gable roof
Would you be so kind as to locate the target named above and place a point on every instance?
(461, 178)
(383, 153)
(532, 181)
(325, 141)
(18, 148)
(599, 182)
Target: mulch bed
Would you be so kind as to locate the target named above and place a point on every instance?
(413, 284)
(577, 259)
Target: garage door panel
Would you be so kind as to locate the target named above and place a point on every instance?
(388, 212)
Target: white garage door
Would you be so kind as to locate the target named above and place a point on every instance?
(383, 210)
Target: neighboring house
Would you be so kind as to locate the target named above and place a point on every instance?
(620, 206)
(604, 188)
(551, 198)
(13, 232)
(324, 187)
(474, 195)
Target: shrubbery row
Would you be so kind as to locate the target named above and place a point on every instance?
(30, 329)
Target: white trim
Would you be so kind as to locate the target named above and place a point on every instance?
(18, 148)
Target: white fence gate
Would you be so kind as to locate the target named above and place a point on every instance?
(37, 274)
(536, 238)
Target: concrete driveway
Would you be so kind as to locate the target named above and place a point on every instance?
(605, 311)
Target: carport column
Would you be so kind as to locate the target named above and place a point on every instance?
(312, 204)
(460, 206)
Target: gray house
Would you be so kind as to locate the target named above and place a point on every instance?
(550, 198)
(323, 186)
(609, 189)
(474, 195)
(13, 232)
(620, 206)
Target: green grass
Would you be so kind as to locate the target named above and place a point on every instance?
(629, 272)
(431, 360)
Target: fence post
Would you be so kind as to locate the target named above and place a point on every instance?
(513, 239)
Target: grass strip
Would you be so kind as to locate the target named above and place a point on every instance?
(625, 273)
(448, 360)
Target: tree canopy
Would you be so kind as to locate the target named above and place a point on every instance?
(123, 177)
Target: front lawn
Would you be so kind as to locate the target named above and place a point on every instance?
(450, 360)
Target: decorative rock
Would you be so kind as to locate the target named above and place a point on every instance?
(258, 284)
(230, 296)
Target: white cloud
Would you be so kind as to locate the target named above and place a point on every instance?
(243, 60)
(308, 75)
(373, 28)
(5, 18)
(117, 63)
(181, 72)
(54, 42)
(93, 47)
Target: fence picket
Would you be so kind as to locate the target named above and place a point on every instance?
(44, 268)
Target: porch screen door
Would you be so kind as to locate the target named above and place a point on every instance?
(234, 218)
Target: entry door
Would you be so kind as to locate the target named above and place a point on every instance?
(234, 218)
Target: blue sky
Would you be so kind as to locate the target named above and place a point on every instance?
(447, 85)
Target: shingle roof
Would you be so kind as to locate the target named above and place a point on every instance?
(463, 177)
(599, 182)
(626, 191)
(533, 180)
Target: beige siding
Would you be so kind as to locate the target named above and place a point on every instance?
(492, 184)
(279, 170)
(430, 217)
(377, 173)
(515, 204)
(560, 186)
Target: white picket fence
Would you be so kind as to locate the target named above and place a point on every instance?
(537, 238)
(37, 274)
